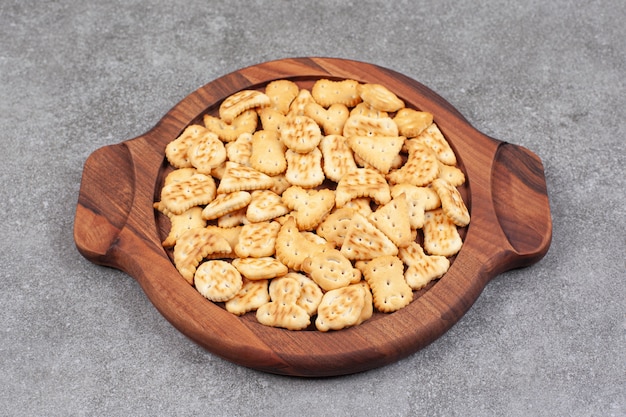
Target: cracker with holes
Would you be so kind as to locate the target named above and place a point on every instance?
(217, 280)
(197, 190)
(385, 276)
(225, 203)
(257, 240)
(281, 93)
(441, 236)
(338, 158)
(393, 220)
(421, 268)
(265, 205)
(311, 206)
(300, 134)
(330, 269)
(304, 169)
(420, 168)
(327, 92)
(363, 241)
(283, 311)
(181, 223)
(237, 103)
(268, 153)
(195, 245)
(451, 202)
(362, 182)
(412, 122)
(246, 122)
(239, 177)
(341, 308)
(251, 296)
(260, 268)
(359, 125)
(379, 152)
(331, 120)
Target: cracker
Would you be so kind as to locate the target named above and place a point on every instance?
(193, 246)
(270, 119)
(268, 153)
(378, 151)
(411, 122)
(179, 175)
(379, 97)
(427, 195)
(241, 101)
(421, 268)
(361, 205)
(327, 92)
(199, 189)
(292, 247)
(300, 133)
(233, 219)
(310, 293)
(334, 227)
(341, 308)
(283, 311)
(337, 157)
(441, 236)
(180, 223)
(217, 280)
(260, 268)
(385, 276)
(420, 168)
(206, 153)
(331, 120)
(364, 109)
(240, 150)
(433, 138)
(225, 203)
(280, 184)
(231, 234)
(252, 295)
(257, 240)
(363, 241)
(451, 202)
(239, 177)
(176, 150)
(311, 206)
(359, 125)
(281, 93)
(246, 122)
(329, 269)
(299, 103)
(265, 205)
(304, 169)
(362, 182)
(393, 220)
(451, 174)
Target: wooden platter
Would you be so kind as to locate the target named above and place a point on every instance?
(116, 226)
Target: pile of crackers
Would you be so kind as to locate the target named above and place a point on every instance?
(309, 206)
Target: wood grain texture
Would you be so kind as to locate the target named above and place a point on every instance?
(511, 227)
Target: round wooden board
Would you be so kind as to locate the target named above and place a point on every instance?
(116, 225)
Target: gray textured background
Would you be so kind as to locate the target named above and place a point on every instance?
(79, 339)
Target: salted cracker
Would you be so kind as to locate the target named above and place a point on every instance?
(359, 125)
(451, 202)
(341, 308)
(338, 158)
(311, 206)
(420, 168)
(363, 241)
(310, 293)
(433, 138)
(239, 177)
(252, 295)
(176, 150)
(246, 122)
(362, 182)
(334, 227)
(225, 203)
(393, 220)
(241, 101)
(239, 151)
(300, 133)
(206, 153)
(180, 223)
(327, 92)
(268, 153)
(283, 311)
(265, 205)
(412, 122)
(217, 280)
(304, 169)
(260, 268)
(379, 97)
(441, 236)
(421, 268)
(329, 269)
(257, 240)
(331, 120)
(281, 93)
(379, 152)
(193, 246)
(385, 276)
(199, 189)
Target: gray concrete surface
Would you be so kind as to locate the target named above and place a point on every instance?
(79, 339)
